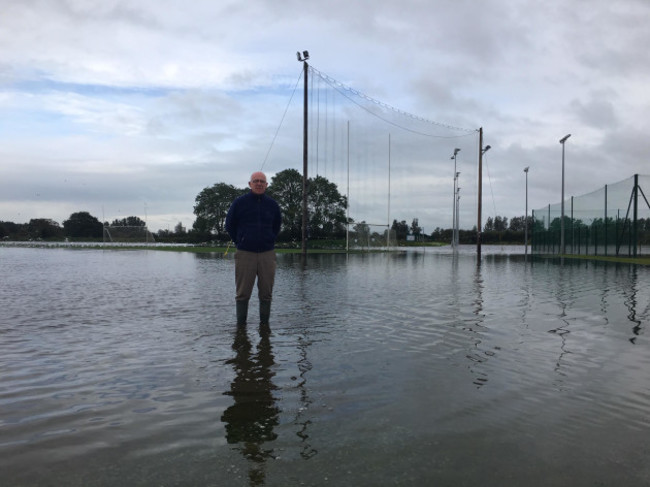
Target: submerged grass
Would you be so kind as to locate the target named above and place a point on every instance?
(207, 249)
(641, 260)
(222, 250)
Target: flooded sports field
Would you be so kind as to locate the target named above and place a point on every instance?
(404, 368)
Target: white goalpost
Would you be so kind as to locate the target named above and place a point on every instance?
(127, 234)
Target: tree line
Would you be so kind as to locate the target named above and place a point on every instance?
(326, 211)
(80, 226)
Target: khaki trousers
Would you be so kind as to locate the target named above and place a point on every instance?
(252, 265)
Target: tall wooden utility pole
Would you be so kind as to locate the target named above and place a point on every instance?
(480, 193)
(305, 157)
(481, 151)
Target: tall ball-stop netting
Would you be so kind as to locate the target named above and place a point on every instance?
(612, 220)
(389, 164)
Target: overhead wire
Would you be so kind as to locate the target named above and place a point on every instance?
(487, 170)
(282, 120)
(342, 89)
(315, 136)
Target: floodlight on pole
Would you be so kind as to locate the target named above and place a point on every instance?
(562, 243)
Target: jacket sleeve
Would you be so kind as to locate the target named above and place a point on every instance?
(231, 222)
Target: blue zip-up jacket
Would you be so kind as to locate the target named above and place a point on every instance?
(253, 222)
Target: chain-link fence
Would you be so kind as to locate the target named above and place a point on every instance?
(614, 220)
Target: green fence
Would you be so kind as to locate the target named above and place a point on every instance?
(614, 220)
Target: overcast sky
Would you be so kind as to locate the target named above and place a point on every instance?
(132, 107)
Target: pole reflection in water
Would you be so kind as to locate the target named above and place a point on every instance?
(565, 300)
(631, 304)
(251, 420)
(304, 366)
(478, 357)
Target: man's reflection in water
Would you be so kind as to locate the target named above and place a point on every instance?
(251, 419)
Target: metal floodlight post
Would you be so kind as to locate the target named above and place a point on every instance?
(457, 214)
(453, 215)
(526, 219)
(457, 209)
(562, 247)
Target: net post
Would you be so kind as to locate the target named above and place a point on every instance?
(305, 159)
(636, 214)
(480, 193)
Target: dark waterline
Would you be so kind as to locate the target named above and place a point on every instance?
(415, 368)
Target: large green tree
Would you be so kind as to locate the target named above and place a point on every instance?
(500, 223)
(496, 224)
(326, 206)
(129, 221)
(517, 223)
(44, 228)
(326, 209)
(401, 229)
(416, 229)
(211, 208)
(83, 225)
(286, 189)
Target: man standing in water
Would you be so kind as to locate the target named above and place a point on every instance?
(253, 223)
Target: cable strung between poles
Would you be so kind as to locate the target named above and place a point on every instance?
(282, 120)
(338, 86)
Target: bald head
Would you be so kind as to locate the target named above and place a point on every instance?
(258, 183)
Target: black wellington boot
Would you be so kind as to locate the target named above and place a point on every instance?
(242, 312)
(265, 312)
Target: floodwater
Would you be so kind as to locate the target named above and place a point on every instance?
(415, 368)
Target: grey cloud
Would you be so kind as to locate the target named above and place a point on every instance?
(598, 112)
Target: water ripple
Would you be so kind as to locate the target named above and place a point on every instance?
(128, 365)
